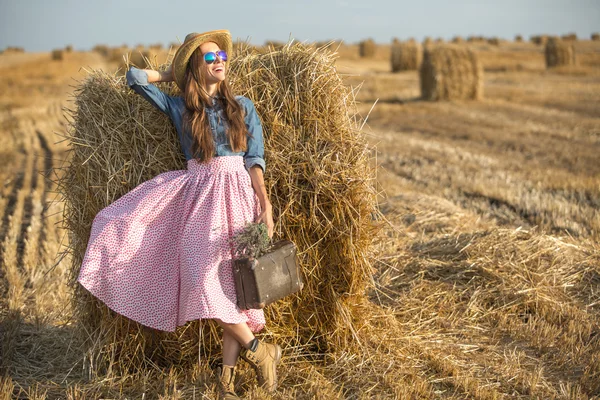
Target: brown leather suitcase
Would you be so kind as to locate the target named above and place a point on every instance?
(268, 278)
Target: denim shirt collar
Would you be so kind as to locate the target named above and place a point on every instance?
(215, 101)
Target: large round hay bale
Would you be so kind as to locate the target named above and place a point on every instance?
(367, 48)
(406, 56)
(559, 53)
(57, 55)
(318, 176)
(595, 36)
(450, 72)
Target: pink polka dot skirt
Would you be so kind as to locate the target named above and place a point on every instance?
(161, 254)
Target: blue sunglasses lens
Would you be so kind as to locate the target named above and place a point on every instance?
(211, 56)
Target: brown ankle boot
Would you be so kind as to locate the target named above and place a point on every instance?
(264, 361)
(225, 376)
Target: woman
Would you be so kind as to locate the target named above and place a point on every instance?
(161, 254)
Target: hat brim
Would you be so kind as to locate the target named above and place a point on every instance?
(221, 37)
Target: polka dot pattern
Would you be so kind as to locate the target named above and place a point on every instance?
(161, 254)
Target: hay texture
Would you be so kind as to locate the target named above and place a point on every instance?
(406, 56)
(559, 53)
(318, 176)
(367, 48)
(450, 72)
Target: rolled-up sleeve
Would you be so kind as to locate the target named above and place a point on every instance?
(138, 81)
(255, 152)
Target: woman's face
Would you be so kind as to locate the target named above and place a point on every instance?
(215, 72)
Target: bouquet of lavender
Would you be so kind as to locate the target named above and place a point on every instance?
(251, 242)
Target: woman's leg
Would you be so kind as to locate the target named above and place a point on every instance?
(231, 349)
(240, 332)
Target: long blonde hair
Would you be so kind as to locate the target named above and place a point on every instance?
(197, 99)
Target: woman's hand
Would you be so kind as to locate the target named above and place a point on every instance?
(159, 76)
(266, 217)
(258, 183)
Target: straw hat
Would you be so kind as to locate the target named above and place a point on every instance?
(221, 37)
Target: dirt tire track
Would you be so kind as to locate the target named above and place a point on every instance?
(48, 165)
(26, 221)
(8, 212)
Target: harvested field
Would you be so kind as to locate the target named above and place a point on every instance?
(487, 274)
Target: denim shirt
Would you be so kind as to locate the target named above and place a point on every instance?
(174, 107)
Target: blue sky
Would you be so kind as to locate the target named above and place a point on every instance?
(41, 25)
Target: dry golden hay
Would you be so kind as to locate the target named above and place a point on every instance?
(457, 39)
(139, 58)
(427, 41)
(559, 53)
(274, 44)
(595, 36)
(406, 56)
(450, 72)
(69, 48)
(518, 38)
(318, 175)
(367, 48)
(494, 41)
(57, 55)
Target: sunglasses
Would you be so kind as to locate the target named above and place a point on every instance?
(211, 56)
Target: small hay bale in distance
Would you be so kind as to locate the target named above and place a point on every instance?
(406, 56)
(595, 36)
(539, 40)
(102, 49)
(318, 175)
(69, 48)
(367, 48)
(457, 39)
(558, 53)
(58, 55)
(518, 38)
(494, 41)
(450, 72)
(569, 37)
(14, 49)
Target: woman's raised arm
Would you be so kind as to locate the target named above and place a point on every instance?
(159, 76)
